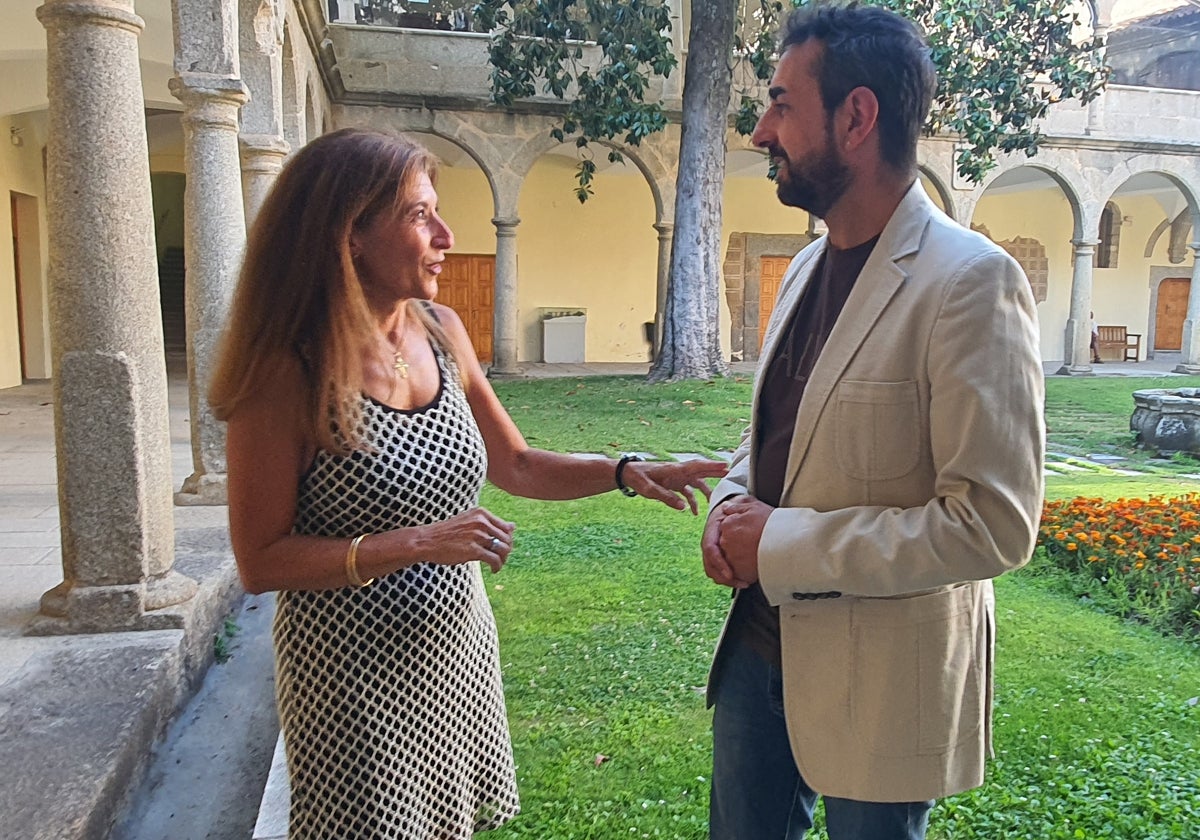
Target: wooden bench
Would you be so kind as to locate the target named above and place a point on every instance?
(1123, 346)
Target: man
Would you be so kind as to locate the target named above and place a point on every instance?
(893, 466)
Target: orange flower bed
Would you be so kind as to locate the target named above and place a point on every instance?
(1146, 549)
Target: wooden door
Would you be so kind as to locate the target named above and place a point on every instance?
(1172, 307)
(770, 277)
(467, 285)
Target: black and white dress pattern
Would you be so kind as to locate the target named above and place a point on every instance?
(390, 696)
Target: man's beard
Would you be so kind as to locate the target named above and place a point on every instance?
(814, 184)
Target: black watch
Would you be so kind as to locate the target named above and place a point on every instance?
(625, 459)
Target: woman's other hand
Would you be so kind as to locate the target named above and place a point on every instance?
(477, 534)
(674, 483)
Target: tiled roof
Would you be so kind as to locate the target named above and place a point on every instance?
(1128, 12)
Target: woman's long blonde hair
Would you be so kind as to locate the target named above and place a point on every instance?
(299, 301)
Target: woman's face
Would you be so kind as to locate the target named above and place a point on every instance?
(399, 254)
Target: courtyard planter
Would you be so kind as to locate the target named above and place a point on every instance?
(1167, 420)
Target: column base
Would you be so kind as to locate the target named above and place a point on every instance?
(1190, 370)
(511, 372)
(203, 489)
(71, 609)
(1075, 370)
(169, 589)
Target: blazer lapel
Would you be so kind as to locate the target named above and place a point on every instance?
(881, 278)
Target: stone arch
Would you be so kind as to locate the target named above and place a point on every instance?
(1063, 179)
(1179, 228)
(479, 142)
(618, 289)
(934, 180)
(654, 175)
(470, 152)
(1180, 177)
(1044, 238)
(649, 159)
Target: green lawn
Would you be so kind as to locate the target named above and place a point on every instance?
(607, 624)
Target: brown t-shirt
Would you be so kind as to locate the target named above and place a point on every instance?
(784, 380)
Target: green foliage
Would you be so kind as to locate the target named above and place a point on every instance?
(223, 641)
(1001, 66)
(544, 41)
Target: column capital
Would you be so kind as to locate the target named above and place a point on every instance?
(1195, 246)
(506, 226)
(214, 87)
(103, 12)
(1085, 246)
(209, 99)
(664, 228)
(264, 144)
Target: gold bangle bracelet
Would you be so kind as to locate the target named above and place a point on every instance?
(352, 564)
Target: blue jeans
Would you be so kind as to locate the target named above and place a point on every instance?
(757, 792)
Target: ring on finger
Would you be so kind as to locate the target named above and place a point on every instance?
(495, 543)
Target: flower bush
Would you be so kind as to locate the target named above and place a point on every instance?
(1140, 556)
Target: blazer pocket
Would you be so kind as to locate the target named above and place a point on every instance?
(918, 675)
(878, 429)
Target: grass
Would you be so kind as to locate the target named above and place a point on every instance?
(616, 413)
(608, 623)
(1091, 415)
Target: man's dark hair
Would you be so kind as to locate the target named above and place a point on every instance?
(871, 47)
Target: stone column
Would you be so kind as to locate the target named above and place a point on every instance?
(263, 148)
(504, 345)
(1095, 114)
(211, 90)
(666, 234)
(262, 160)
(110, 383)
(1078, 338)
(1190, 363)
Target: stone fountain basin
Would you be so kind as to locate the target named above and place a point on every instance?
(1167, 419)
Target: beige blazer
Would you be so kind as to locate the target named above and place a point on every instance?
(914, 477)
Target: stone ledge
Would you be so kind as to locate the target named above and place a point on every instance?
(80, 717)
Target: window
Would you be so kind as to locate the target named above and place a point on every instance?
(1110, 237)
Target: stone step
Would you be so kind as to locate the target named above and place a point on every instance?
(272, 821)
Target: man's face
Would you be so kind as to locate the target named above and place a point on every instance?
(795, 130)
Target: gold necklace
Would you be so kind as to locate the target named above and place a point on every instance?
(398, 364)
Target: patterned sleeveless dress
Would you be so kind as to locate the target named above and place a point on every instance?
(390, 696)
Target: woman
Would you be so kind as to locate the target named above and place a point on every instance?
(360, 430)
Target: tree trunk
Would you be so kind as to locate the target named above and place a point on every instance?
(691, 346)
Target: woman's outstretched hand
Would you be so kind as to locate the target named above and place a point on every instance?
(674, 483)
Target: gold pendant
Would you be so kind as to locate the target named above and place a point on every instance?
(400, 366)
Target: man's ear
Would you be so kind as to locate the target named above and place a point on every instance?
(860, 113)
